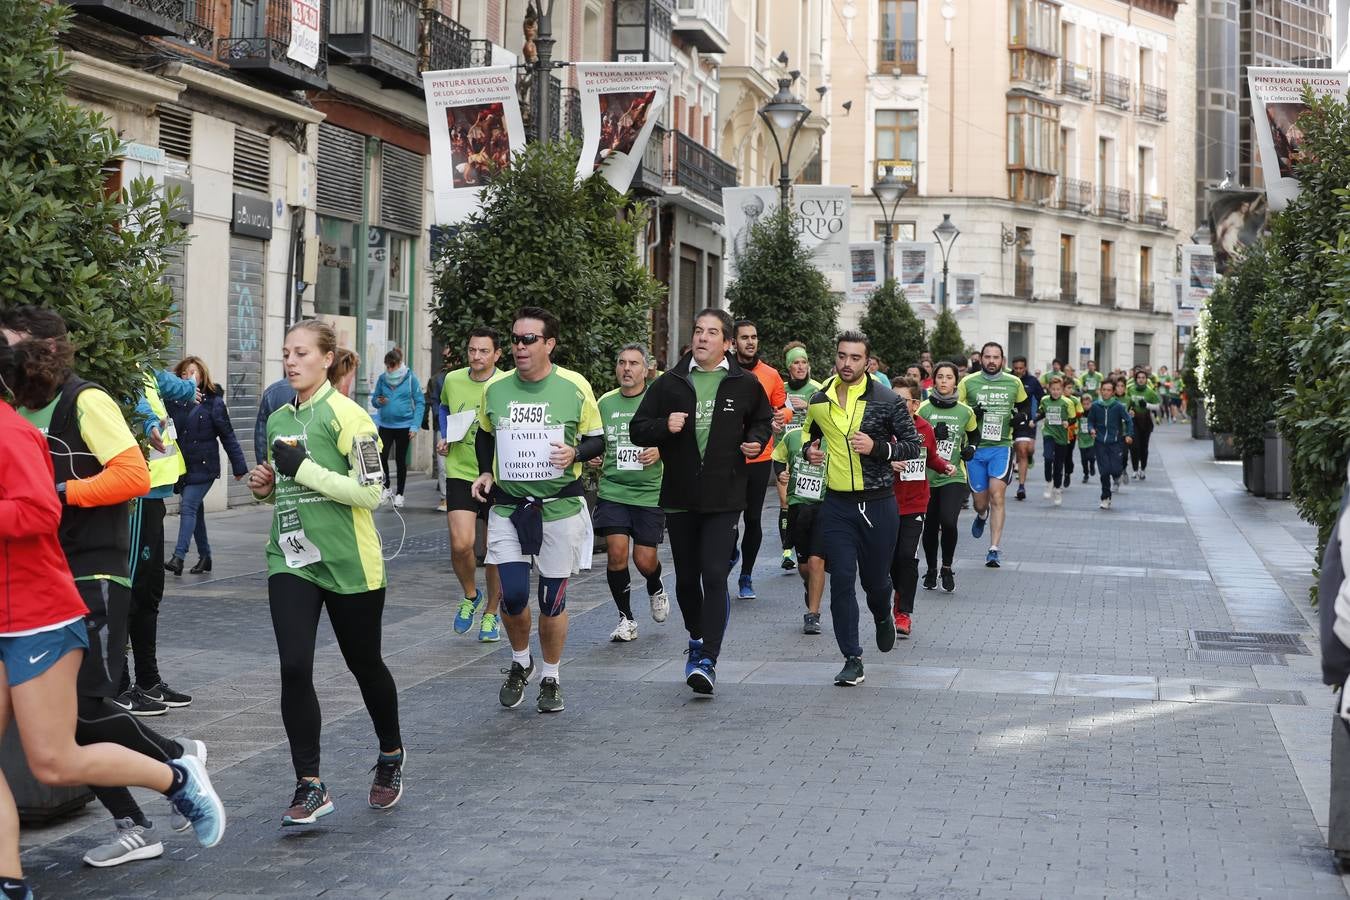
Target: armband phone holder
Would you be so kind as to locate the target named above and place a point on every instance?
(369, 470)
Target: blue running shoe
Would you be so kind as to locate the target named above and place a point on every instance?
(489, 631)
(747, 590)
(704, 677)
(468, 608)
(991, 559)
(198, 802)
(694, 654)
(977, 527)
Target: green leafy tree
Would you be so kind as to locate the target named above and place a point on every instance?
(896, 332)
(945, 341)
(780, 289)
(540, 238)
(65, 243)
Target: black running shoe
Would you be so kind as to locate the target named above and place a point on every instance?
(852, 673)
(948, 580)
(550, 696)
(929, 580)
(886, 633)
(137, 703)
(162, 693)
(513, 690)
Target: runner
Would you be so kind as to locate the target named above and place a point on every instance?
(760, 469)
(1059, 412)
(1000, 402)
(431, 418)
(1087, 449)
(1056, 368)
(804, 484)
(1166, 387)
(1142, 400)
(325, 478)
(629, 504)
(911, 499)
(957, 434)
(703, 480)
(876, 369)
(1112, 431)
(1091, 380)
(1024, 432)
(460, 396)
(800, 386)
(859, 427)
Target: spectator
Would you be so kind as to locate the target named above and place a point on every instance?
(398, 400)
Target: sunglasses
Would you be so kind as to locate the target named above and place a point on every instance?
(529, 340)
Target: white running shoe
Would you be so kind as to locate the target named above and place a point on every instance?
(1105, 504)
(1059, 496)
(385, 496)
(627, 630)
(1048, 493)
(660, 605)
(398, 501)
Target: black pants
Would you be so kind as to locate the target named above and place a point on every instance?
(756, 486)
(147, 590)
(1110, 463)
(395, 440)
(356, 620)
(700, 546)
(1143, 430)
(99, 721)
(1089, 457)
(858, 540)
(944, 508)
(905, 564)
(1059, 461)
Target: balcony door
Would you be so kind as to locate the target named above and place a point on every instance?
(899, 20)
(247, 17)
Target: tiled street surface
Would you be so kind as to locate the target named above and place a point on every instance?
(1058, 728)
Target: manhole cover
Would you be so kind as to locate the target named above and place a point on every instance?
(1247, 695)
(1249, 641)
(1236, 657)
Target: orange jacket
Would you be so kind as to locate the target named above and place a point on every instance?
(772, 383)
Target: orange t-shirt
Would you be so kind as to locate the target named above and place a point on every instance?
(772, 383)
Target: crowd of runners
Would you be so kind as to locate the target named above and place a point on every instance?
(871, 473)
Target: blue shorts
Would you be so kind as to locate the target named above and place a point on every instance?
(28, 656)
(989, 464)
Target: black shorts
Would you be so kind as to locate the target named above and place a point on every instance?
(1025, 432)
(802, 531)
(458, 496)
(646, 525)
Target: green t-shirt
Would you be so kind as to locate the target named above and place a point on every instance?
(622, 478)
(525, 417)
(461, 394)
(1166, 386)
(960, 422)
(706, 385)
(998, 395)
(1058, 414)
(1086, 439)
(806, 482)
(1090, 382)
(804, 392)
(1138, 398)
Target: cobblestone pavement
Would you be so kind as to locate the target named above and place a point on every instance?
(1055, 728)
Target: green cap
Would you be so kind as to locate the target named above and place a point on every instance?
(795, 354)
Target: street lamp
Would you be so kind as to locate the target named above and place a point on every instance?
(785, 113)
(889, 191)
(946, 235)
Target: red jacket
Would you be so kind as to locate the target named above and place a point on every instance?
(36, 588)
(912, 495)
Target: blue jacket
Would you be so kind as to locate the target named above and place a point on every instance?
(199, 428)
(1110, 421)
(403, 401)
(277, 395)
(172, 390)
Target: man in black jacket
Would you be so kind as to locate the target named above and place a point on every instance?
(707, 416)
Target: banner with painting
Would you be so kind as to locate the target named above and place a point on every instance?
(742, 209)
(475, 125)
(1237, 219)
(867, 268)
(914, 272)
(965, 298)
(1277, 102)
(822, 224)
(621, 105)
(1198, 277)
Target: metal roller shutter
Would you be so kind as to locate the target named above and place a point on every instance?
(341, 161)
(402, 185)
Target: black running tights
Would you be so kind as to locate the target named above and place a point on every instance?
(395, 440)
(99, 721)
(944, 506)
(756, 486)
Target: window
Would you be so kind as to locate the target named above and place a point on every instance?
(1143, 348)
(898, 46)
(1019, 340)
(1033, 147)
(897, 136)
(900, 231)
(1034, 25)
(1066, 253)
(1102, 344)
(1108, 259)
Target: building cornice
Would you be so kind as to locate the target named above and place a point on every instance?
(241, 94)
(101, 79)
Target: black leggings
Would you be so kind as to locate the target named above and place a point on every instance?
(701, 545)
(101, 721)
(395, 439)
(756, 486)
(1060, 460)
(147, 590)
(1143, 430)
(944, 507)
(905, 565)
(356, 620)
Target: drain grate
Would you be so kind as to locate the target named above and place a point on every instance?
(1236, 657)
(1249, 642)
(1247, 695)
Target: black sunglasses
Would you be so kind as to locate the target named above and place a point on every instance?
(528, 340)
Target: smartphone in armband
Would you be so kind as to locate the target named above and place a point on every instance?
(368, 467)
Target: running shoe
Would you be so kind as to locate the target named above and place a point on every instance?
(704, 677)
(694, 652)
(387, 786)
(1068, 480)
(811, 623)
(991, 559)
(133, 842)
(660, 605)
(929, 580)
(851, 673)
(441, 507)
(1048, 492)
(513, 689)
(1085, 478)
(398, 501)
(948, 579)
(902, 624)
(137, 703)
(885, 633)
(198, 802)
(490, 630)
(1058, 498)
(162, 693)
(627, 630)
(1021, 492)
(1105, 504)
(789, 563)
(550, 696)
(385, 496)
(977, 526)
(747, 589)
(468, 608)
(190, 748)
(310, 803)
(1142, 474)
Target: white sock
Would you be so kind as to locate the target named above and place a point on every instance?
(522, 657)
(550, 670)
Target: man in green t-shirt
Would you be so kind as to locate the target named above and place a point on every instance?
(1091, 380)
(536, 426)
(804, 484)
(461, 392)
(629, 503)
(799, 386)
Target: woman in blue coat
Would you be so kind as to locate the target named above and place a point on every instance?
(398, 404)
(201, 427)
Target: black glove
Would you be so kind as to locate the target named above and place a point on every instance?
(979, 412)
(941, 431)
(1019, 419)
(967, 452)
(286, 458)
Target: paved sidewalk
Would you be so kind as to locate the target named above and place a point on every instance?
(1061, 727)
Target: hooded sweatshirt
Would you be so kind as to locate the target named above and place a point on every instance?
(403, 399)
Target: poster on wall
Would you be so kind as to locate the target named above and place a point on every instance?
(867, 268)
(621, 104)
(965, 299)
(305, 22)
(914, 268)
(1277, 102)
(822, 224)
(474, 120)
(744, 207)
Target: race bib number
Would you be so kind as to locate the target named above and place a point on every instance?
(626, 458)
(1054, 416)
(525, 414)
(295, 545)
(945, 448)
(991, 429)
(794, 425)
(809, 483)
(912, 469)
(523, 452)
(170, 431)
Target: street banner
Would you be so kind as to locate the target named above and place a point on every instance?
(965, 298)
(1237, 219)
(822, 224)
(305, 21)
(621, 104)
(1197, 272)
(744, 207)
(1277, 102)
(1184, 313)
(867, 268)
(914, 265)
(474, 119)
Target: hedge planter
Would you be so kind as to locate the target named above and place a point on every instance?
(1224, 448)
(1279, 480)
(1199, 424)
(1254, 474)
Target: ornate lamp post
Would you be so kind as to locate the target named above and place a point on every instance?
(946, 235)
(889, 191)
(787, 114)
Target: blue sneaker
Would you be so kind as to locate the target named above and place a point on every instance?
(198, 802)
(747, 591)
(977, 527)
(694, 654)
(704, 676)
(468, 608)
(991, 559)
(490, 630)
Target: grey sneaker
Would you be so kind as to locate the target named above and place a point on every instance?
(811, 623)
(191, 747)
(550, 696)
(133, 842)
(513, 689)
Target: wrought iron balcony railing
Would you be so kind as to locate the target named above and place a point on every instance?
(260, 48)
(1068, 286)
(158, 17)
(1074, 195)
(1107, 291)
(896, 57)
(1153, 211)
(699, 169)
(1075, 80)
(1146, 297)
(1115, 91)
(446, 43)
(1153, 102)
(1024, 280)
(1114, 203)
